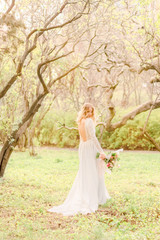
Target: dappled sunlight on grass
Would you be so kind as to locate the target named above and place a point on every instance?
(34, 184)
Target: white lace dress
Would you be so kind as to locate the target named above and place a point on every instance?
(88, 190)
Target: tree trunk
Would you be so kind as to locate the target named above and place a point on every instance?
(7, 150)
(32, 150)
(11, 142)
(4, 156)
(21, 143)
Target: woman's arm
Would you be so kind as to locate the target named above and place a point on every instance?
(91, 129)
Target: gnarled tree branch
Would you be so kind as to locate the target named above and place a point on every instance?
(63, 125)
(29, 50)
(8, 10)
(142, 108)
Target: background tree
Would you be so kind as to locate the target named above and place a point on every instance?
(103, 52)
(59, 51)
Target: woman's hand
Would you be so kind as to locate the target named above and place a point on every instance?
(102, 156)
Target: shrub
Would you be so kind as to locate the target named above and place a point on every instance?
(127, 137)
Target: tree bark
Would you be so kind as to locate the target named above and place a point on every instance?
(8, 11)
(28, 50)
(149, 138)
(12, 141)
(142, 108)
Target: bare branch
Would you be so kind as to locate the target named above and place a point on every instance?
(101, 124)
(142, 108)
(44, 64)
(148, 137)
(99, 85)
(148, 66)
(41, 30)
(145, 125)
(9, 84)
(155, 79)
(8, 10)
(27, 51)
(66, 73)
(63, 125)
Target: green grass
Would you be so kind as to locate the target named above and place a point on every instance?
(34, 184)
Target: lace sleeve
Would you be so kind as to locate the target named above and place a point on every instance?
(91, 130)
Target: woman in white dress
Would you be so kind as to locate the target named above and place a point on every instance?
(88, 190)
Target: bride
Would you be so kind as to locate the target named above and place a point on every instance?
(88, 190)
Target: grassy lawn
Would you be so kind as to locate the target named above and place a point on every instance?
(34, 184)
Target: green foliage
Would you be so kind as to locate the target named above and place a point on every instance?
(127, 137)
(51, 135)
(130, 135)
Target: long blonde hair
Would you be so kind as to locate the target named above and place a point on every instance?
(83, 113)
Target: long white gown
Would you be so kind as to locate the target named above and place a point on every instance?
(88, 190)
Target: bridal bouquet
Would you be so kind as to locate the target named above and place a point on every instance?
(112, 159)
